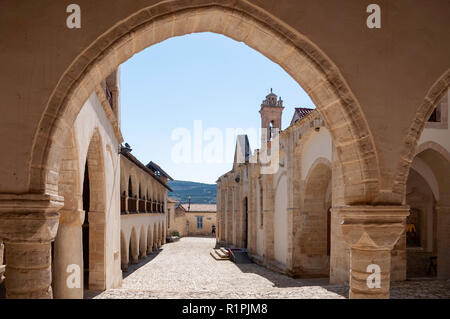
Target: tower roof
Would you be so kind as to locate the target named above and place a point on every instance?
(271, 93)
(271, 100)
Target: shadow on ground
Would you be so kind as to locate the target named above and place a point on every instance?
(133, 267)
(90, 294)
(280, 280)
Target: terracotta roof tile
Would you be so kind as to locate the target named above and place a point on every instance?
(300, 112)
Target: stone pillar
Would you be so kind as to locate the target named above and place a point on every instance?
(229, 214)
(252, 223)
(29, 224)
(268, 204)
(339, 250)
(371, 232)
(236, 216)
(142, 249)
(443, 241)
(68, 250)
(2, 266)
(134, 259)
(159, 236)
(223, 218)
(164, 234)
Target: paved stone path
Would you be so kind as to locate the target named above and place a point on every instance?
(185, 269)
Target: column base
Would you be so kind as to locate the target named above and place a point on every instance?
(371, 232)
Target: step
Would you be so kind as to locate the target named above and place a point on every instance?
(221, 253)
(225, 251)
(214, 254)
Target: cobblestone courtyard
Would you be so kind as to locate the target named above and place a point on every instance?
(185, 269)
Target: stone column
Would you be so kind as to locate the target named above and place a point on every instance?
(237, 216)
(29, 224)
(164, 236)
(268, 205)
(229, 214)
(159, 236)
(443, 241)
(371, 232)
(134, 259)
(68, 250)
(222, 218)
(251, 239)
(2, 266)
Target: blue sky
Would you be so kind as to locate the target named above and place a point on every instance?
(206, 77)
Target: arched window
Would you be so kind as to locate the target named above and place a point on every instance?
(271, 130)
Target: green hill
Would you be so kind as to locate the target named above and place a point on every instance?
(200, 193)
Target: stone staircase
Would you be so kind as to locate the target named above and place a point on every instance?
(220, 254)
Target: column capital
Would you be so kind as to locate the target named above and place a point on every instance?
(372, 227)
(29, 217)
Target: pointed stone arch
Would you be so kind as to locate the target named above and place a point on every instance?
(241, 21)
(311, 254)
(438, 160)
(96, 215)
(431, 100)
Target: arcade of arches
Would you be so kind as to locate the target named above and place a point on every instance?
(61, 119)
(287, 222)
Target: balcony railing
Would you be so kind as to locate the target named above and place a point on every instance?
(142, 206)
(132, 205)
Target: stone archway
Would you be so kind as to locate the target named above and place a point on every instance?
(306, 63)
(431, 100)
(240, 21)
(420, 224)
(94, 198)
(438, 160)
(68, 248)
(311, 246)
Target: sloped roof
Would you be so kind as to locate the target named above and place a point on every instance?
(138, 163)
(300, 112)
(158, 170)
(242, 152)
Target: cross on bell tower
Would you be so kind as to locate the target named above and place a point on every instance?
(271, 112)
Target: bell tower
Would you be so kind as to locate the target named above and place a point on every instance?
(271, 111)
